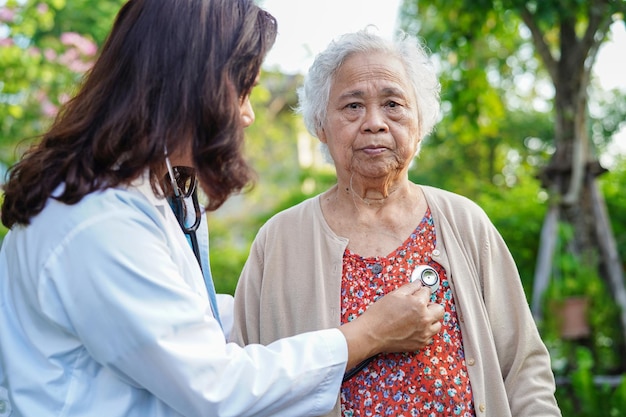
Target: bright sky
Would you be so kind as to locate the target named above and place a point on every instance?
(306, 27)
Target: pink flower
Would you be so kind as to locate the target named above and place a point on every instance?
(42, 8)
(50, 54)
(84, 45)
(6, 14)
(49, 109)
(73, 61)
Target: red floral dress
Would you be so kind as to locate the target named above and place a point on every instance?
(430, 382)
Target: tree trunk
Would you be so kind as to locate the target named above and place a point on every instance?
(545, 256)
(570, 178)
(610, 261)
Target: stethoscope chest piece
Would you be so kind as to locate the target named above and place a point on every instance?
(427, 275)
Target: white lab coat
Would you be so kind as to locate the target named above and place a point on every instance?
(104, 311)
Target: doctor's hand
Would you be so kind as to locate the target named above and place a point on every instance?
(401, 321)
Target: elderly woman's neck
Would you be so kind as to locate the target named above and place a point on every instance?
(373, 192)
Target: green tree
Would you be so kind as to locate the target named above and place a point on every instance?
(487, 50)
(45, 48)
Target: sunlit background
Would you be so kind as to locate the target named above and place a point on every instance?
(307, 26)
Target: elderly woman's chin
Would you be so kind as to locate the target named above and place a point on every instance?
(381, 168)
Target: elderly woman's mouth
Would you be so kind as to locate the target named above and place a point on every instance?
(374, 150)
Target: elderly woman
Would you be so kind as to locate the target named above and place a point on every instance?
(371, 102)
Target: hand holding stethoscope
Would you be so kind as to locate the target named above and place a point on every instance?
(429, 278)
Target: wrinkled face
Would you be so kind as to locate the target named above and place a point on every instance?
(372, 127)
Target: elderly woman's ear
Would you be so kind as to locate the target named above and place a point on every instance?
(321, 135)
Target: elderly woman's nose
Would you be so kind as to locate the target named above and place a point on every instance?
(374, 121)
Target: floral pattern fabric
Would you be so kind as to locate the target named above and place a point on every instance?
(430, 382)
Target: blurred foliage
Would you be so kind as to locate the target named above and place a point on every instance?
(45, 48)
(575, 277)
(583, 397)
(613, 185)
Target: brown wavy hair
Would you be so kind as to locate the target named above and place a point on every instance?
(172, 74)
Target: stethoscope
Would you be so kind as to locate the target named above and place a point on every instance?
(175, 176)
(429, 277)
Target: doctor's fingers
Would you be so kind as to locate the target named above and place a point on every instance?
(436, 310)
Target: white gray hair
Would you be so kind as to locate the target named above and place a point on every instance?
(313, 96)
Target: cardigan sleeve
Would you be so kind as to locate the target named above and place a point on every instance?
(524, 359)
(247, 306)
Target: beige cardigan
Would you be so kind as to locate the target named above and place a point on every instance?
(291, 284)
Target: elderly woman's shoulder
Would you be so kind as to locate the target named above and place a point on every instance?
(449, 201)
(304, 210)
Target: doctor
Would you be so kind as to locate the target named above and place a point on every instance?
(104, 309)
